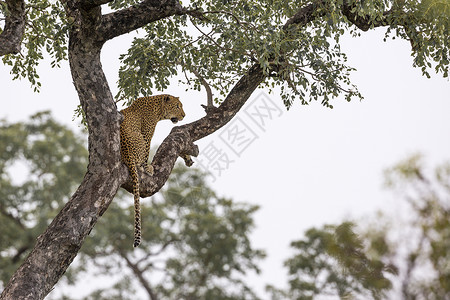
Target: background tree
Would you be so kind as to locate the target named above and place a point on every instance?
(41, 164)
(252, 43)
(196, 243)
(333, 261)
(413, 247)
(421, 252)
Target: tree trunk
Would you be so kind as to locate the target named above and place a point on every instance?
(11, 37)
(59, 244)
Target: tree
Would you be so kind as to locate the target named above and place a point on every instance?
(196, 245)
(237, 46)
(422, 257)
(333, 261)
(195, 240)
(405, 259)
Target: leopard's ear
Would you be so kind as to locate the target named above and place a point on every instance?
(167, 98)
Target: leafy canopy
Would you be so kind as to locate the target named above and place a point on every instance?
(226, 37)
(46, 36)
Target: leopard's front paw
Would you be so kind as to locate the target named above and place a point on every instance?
(149, 169)
(188, 160)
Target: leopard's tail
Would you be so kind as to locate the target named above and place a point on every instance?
(137, 205)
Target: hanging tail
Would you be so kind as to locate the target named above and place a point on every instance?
(137, 206)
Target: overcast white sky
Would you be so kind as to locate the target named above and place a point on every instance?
(309, 166)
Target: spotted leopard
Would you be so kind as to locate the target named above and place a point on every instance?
(136, 132)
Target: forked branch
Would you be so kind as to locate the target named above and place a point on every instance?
(209, 96)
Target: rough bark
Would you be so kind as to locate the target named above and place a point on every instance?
(136, 16)
(59, 244)
(11, 37)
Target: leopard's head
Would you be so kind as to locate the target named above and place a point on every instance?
(172, 109)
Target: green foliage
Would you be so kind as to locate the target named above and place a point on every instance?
(427, 27)
(46, 33)
(41, 164)
(333, 260)
(218, 47)
(306, 62)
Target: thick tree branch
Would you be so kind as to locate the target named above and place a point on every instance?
(136, 16)
(88, 4)
(181, 139)
(305, 15)
(311, 12)
(11, 37)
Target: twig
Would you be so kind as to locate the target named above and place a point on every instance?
(209, 102)
(231, 14)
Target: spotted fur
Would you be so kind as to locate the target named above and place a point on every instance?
(136, 132)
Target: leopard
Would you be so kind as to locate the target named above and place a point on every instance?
(136, 132)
